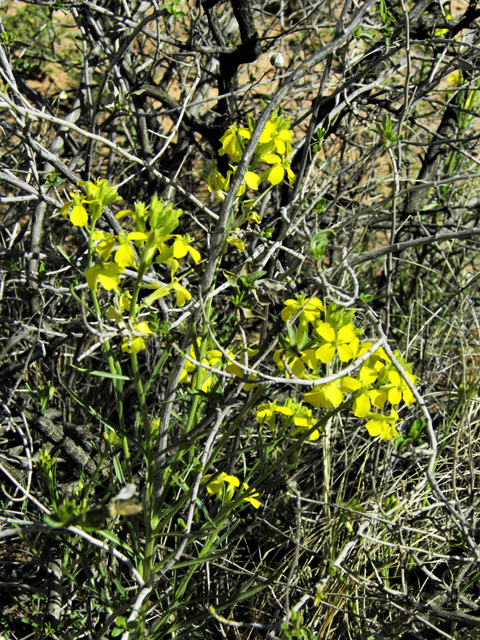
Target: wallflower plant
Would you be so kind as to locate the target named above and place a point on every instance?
(320, 343)
(317, 340)
(152, 238)
(273, 150)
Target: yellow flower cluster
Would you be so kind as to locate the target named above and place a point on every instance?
(154, 240)
(314, 341)
(273, 150)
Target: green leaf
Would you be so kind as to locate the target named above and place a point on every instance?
(417, 428)
(104, 374)
(250, 313)
(231, 278)
(320, 241)
(292, 332)
(255, 275)
(364, 35)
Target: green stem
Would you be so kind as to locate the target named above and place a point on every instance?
(117, 382)
(142, 269)
(148, 494)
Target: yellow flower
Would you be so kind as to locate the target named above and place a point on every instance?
(215, 487)
(310, 308)
(365, 396)
(235, 370)
(213, 358)
(231, 142)
(104, 243)
(339, 342)
(161, 290)
(398, 388)
(124, 255)
(219, 184)
(293, 361)
(183, 295)
(99, 194)
(383, 426)
(181, 247)
(302, 418)
(125, 301)
(188, 367)
(276, 173)
(79, 215)
(266, 413)
(107, 274)
(236, 242)
(253, 217)
(137, 343)
(251, 497)
(277, 135)
(327, 395)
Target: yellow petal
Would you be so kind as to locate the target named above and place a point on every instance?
(143, 327)
(310, 358)
(378, 397)
(395, 378)
(349, 385)
(252, 180)
(315, 398)
(108, 276)
(394, 396)
(361, 406)
(326, 352)
(231, 480)
(125, 256)
(79, 216)
(271, 158)
(137, 235)
(285, 410)
(291, 176)
(346, 334)
(408, 397)
(195, 254)
(137, 344)
(368, 375)
(65, 208)
(183, 295)
(268, 132)
(326, 331)
(345, 352)
(237, 242)
(382, 427)
(180, 248)
(276, 173)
